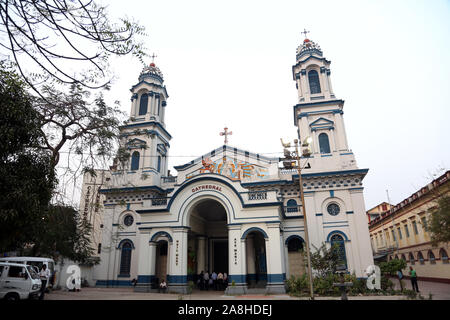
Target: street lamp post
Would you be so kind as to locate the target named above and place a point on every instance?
(302, 197)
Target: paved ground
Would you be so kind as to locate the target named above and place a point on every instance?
(440, 291)
(129, 294)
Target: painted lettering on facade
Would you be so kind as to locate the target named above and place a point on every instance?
(207, 187)
(231, 168)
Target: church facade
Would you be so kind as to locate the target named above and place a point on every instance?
(231, 210)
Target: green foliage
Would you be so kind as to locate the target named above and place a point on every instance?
(391, 267)
(324, 260)
(64, 233)
(27, 179)
(439, 222)
(44, 35)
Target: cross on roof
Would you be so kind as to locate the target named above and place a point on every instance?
(153, 56)
(305, 32)
(226, 134)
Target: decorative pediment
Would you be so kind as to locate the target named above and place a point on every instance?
(321, 123)
(236, 164)
(136, 144)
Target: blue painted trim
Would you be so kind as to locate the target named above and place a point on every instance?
(325, 155)
(161, 234)
(124, 240)
(136, 189)
(237, 278)
(294, 236)
(324, 127)
(319, 214)
(123, 275)
(145, 124)
(332, 193)
(275, 278)
(333, 173)
(113, 283)
(359, 188)
(330, 222)
(338, 232)
(151, 84)
(145, 278)
(175, 279)
(346, 153)
(349, 212)
(336, 226)
(128, 206)
(321, 118)
(254, 229)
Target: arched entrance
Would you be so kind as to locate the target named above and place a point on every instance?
(256, 260)
(161, 262)
(295, 247)
(207, 240)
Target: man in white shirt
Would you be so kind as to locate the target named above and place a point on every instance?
(44, 275)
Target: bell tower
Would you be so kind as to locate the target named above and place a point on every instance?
(144, 136)
(319, 114)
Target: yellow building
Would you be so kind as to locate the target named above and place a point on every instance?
(401, 233)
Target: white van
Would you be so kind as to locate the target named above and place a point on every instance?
(37, 263)
(18, 281)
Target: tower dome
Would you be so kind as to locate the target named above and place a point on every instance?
(308, 47)
(151, 71)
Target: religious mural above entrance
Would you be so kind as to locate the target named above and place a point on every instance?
(231, 168)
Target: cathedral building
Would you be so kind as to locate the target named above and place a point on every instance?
(231, 210)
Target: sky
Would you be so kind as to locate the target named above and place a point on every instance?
(229, 63)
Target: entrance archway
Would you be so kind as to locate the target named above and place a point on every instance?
(295, 246)
(207, 240)
(256, 260)
(161, 261)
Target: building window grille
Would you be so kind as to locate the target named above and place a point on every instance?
(420, 258)
(431, 257)
(135, 160)
(128, 220)
(292, 206)
(399, 233)
(324, 143)
(338, 243)
(416, 231)
(443, 255)
(406, 231)
(411, 258)
(143, 103)
(314, 83)
(333, 209)
(125, 259)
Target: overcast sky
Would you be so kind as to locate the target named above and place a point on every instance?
(230, 63)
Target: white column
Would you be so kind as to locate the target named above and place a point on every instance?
(236, 261)
(250, 256)
(340, 131)
(201, 254)
(333, 146)
(144, 255)
(275, 281)
(152, 258)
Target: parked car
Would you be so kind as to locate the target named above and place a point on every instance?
(37, 263)
(18, 281)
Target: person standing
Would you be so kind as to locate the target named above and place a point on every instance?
(44, 275)
(413, 276)
(206, 280)
(214, 279)
(220, 281)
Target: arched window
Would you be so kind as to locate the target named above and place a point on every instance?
(396, 257)
(159, 163)
(125, 258)
(314, 83)
(295, 245)
(292, 206)
(403, 257)
(443, 255)
(431, 257)
(420, 258)
(135, 160)
(143, 104)
(411, 258)
(338, 243)
(324, 144)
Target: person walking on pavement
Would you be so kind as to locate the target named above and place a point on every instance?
(413, 276)
(44, 275)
